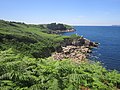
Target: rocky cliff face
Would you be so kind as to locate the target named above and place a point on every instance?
(76, 49)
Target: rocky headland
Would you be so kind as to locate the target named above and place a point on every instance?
(77, 49)
(55, 28)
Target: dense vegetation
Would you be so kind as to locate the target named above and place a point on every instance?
(54, 26)
(25, 63)
(18, 72)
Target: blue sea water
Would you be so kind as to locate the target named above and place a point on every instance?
(108, 51)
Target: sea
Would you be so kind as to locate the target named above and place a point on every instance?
(108, 51)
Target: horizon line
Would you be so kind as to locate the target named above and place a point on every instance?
(61, 23)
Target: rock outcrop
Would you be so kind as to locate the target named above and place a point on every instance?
(79, 42)
(77, 50)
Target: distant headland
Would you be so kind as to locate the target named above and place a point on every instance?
(116, 25)
(59, 28)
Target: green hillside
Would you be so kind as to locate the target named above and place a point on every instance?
(26, 62)
(28, 39)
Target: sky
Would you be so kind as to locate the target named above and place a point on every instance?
(73, 12)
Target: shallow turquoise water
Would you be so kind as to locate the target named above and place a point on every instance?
(108, 51)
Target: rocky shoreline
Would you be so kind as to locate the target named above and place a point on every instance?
(68, 30)
(62, 31)
(77, 50)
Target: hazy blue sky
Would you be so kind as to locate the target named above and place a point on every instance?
(75, 12)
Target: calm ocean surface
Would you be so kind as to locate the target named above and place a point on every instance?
(108, 51)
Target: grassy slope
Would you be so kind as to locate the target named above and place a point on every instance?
(25, 30)
(28, 39)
